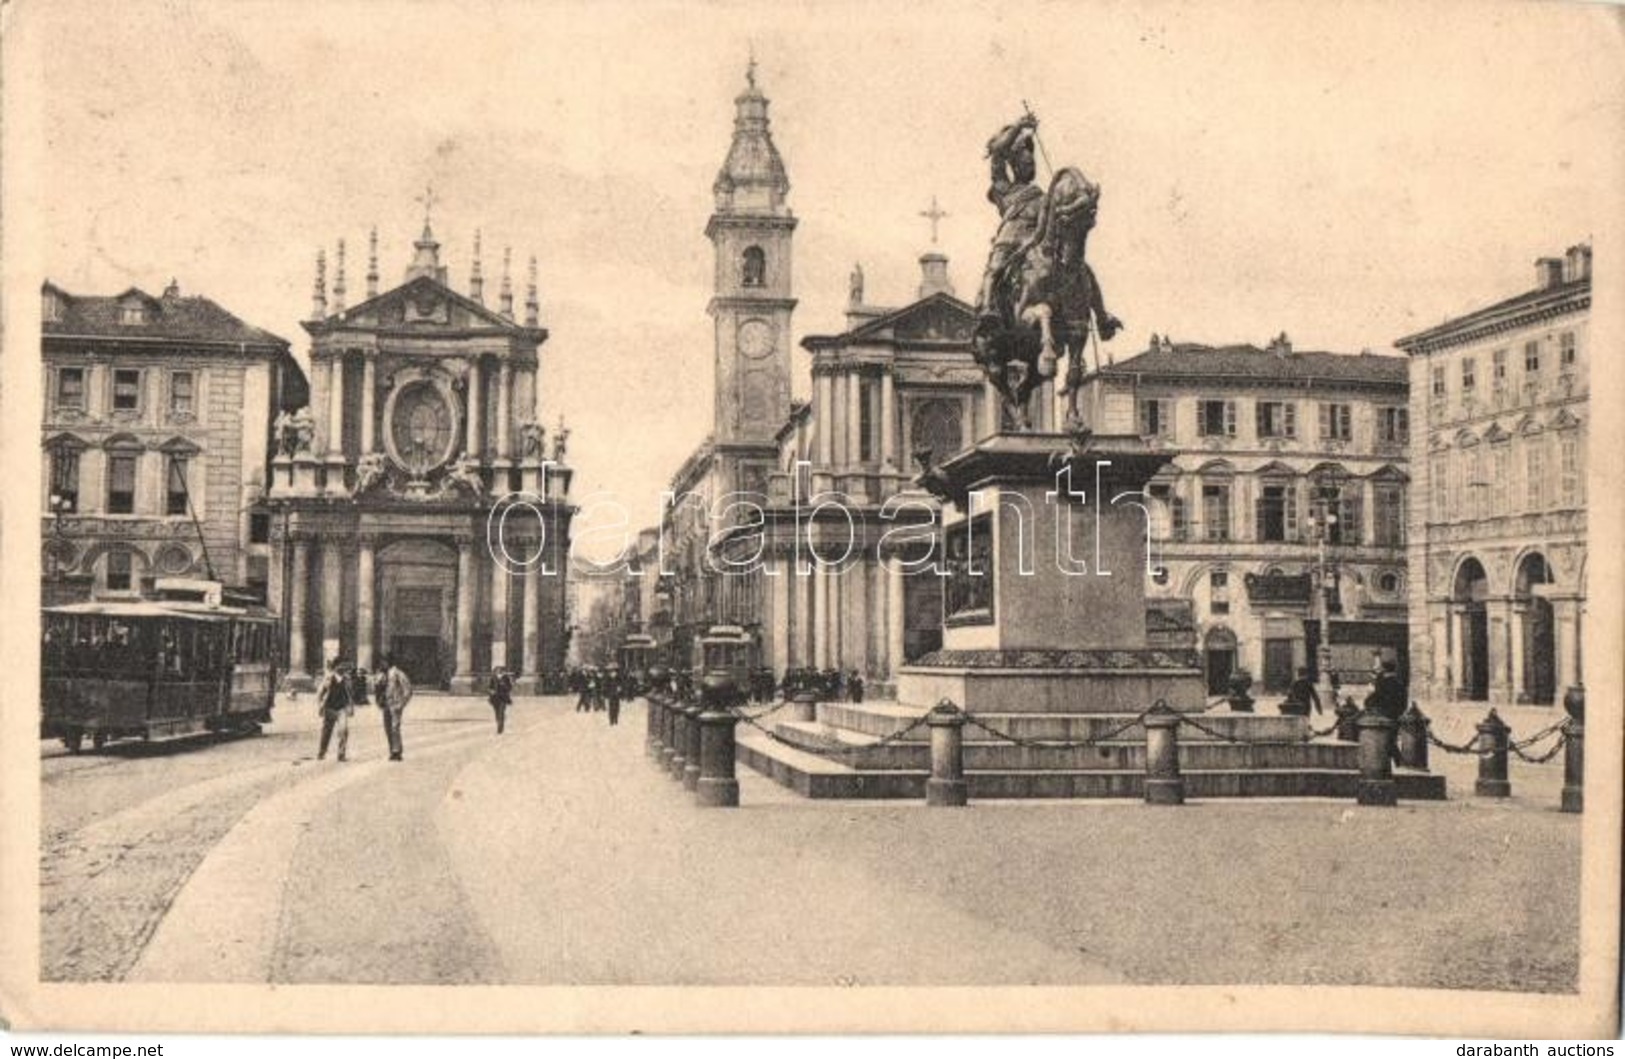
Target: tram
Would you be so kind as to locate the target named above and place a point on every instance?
(155, 669)
(729, 649)
(636, 654)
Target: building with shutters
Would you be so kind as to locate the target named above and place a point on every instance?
(157, 434)
(1498, 541)
(1280, 457)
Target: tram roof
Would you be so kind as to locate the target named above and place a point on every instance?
(153, 608)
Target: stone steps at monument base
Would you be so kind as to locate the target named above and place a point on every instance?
(984, 753)
(882, 719)
(816, 777)
(827, 781)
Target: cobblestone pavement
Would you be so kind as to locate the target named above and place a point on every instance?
(557, 854)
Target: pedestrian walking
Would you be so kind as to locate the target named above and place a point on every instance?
(396, 692)
(612, 696)
(501, 696)
(854, 687)
(334, 702)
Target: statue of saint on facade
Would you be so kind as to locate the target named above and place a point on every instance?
(301, 432)
(1039, 299)
(532, 439)
(370, 471)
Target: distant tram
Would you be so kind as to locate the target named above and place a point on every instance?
(727, 648)
(155, 669)
(636, 654)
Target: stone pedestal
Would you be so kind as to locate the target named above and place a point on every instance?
(1045, 592)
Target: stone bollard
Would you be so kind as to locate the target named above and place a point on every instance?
(1163, 783)
(691, 752)
(806, 705)
(947, 784)
(1413, 739)
(1493, 736)
(717, 786)
(1347, 714)
(679, 740)
(1376, 786)
(1574, 735)
(668, 732)
(653, 698)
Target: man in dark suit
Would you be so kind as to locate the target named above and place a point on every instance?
(1300, 695)
(501, 696)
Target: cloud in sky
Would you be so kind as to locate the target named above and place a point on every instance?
(1346, 173)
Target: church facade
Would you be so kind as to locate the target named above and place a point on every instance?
(422, 437)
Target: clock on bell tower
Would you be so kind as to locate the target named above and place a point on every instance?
(750, 231)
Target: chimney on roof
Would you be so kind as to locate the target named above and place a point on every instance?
(934, 274)
(1281, 345)
(1577, 263)
(1548, 272)
(174, 288)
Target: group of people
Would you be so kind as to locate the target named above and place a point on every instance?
(601, 690)
(830, 685)
(1386, 698)
(346, 686)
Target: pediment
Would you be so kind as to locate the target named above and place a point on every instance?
(939, 318)
(422, 303)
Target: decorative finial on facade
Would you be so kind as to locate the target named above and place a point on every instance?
(750, 67)
(372, 263)
(476, 281)
(935, 215)
(855, 286)
(507, 282)
(533, 307)
(318, 296)
(338, 282)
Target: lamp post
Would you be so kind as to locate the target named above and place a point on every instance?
(1328, 493)
(60, 506)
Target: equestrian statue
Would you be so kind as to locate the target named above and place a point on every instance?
(1039, 299)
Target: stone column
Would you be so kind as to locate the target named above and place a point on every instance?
(529, 663)
(504, 409)
(807, 619)
(779, 616)
(888, 421)
(298, 666)
(499, 613)
(820, 595)
(476, 404)
(369, 386)
(335, 407)
(332, 596)
(1566, 642)
(365, 607)
(1458, 631)
(1520, 615)
(824, 416)
(854, 419)
(896, 618)
(1499, 623)
(463, 679)
(320, 375)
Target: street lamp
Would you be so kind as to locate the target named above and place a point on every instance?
(1328, 492)
(60, 506)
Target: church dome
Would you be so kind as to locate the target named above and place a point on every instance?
(753, 163)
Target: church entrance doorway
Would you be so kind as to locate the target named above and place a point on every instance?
(419, 583)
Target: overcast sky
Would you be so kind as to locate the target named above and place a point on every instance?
(1345, 173)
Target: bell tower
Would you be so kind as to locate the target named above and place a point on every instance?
(750, 230)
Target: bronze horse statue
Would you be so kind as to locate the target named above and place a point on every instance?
(1046, 302)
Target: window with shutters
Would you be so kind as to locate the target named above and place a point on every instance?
(65, 477)
(175, 493)
(70, 388)
(1438, 382)
(1498, 369)
(120, 484)
(1531, 358)
(1394, 425)
(1216, 511)
(1336, 421)
(1468, 374)
(1565, 349)
(1179, 519)
(1277, 419)
(1218, 582)
(1439, 476)
(127, 390)
(1156, 418)
(1278, 512)
(1216, 419)
(1388, 514)
(1568, 469)
(181, 393)
(1500, 476)
(1535, 475)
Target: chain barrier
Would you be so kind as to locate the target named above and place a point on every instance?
(844, 751)
(770, 711)
(1517, 748)
(1469, 747)
(1056, 744)
(1541, 759)
(1524, 744)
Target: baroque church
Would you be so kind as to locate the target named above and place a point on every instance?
(423, 424)
(896, 389)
